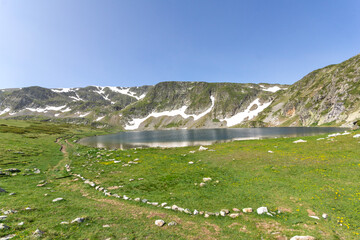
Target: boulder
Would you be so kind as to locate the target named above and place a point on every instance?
(159, 223)
(262, 210)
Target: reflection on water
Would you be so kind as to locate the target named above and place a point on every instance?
(195, 137)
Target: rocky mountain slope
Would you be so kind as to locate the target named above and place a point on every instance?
(327, 96)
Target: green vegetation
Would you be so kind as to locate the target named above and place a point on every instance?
(315, 176)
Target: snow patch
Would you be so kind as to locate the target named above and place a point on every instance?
(99, 118)
(239, 117)
(85, 114)
(60, 90)
(6, 110)
(46, 109)
(76, 98)
(271, 89)
(126, 91)
(135, 123)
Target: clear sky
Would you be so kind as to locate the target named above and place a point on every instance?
(76, 43)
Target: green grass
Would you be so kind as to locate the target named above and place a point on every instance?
(321, 176)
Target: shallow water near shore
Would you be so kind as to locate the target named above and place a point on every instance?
(196, 137)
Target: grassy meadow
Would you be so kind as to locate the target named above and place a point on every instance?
(293, 180)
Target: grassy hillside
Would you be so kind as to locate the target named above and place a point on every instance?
(293, 181)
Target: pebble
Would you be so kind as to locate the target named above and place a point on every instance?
(201, 148)
(191, 162)
(62, 223)
(172, 223)
(247, 210)
(234, 215)
(163, 204)
(202, 184)
(302, 238)
(28, 208)
(206, 179)
(38, 233)
(324, 216)
(196, 212)
(3, 226)
(159, 223)
(57, 199)
(78, 220)
(236, 210)
(106, 226)
(20, 223)
(8, 237)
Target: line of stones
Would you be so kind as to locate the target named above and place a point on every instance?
(206, 214)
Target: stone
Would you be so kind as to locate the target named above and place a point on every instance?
(270, 151)
(315, 217)
(261, 210)
(57, 199)
(187, 211)
(106, 226)
(125, 197)
(63, 223)
(167, 207)
(28, 208)
(38, 233)
(159, 223)
(41, 184)
(302, 238)
(3, 217)
(206, 179)
(20, 223)
(196, 212)
(174, 207)
(11, 194)
(234, 215)
(2, 190)
(7, 212)
(13, 170)
(155, 203)
(191, 162)
(8, 237)
(227, 211)
(137, 199)
(36, 171)
(163, 204)
(299, 141)
(206, 215)
(247, 210)
(222, 213)
(202, 184)
(324, 216)
(236, 210)
(144, 200)
(3, 226)
(201, 148)
(172, 223)
(78, 220)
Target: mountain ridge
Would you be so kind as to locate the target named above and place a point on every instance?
(326, 96)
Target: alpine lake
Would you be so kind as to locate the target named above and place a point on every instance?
(196, 137)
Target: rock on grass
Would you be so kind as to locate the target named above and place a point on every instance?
(159, 223)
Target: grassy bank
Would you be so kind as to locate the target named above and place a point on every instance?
(294, 180)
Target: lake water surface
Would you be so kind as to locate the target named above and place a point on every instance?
(193, 137)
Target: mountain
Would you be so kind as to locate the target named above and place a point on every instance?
(165, 105)
(325, 97)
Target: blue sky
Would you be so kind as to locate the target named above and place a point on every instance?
(67, 43)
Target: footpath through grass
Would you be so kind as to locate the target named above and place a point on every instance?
(298, 180)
